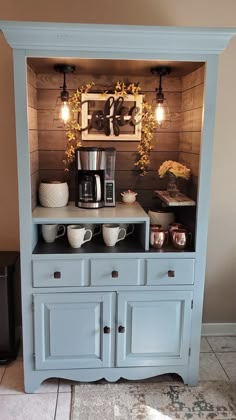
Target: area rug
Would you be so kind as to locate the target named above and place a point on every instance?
(153, 401)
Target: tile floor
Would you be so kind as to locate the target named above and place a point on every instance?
(53, 398)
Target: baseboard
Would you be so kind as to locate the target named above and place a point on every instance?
(218, 329)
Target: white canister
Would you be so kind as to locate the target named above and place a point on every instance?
(53, 194)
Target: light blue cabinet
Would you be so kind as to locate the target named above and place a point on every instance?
(87, 330)
(69, 330)
(143, 299)
(153, 328)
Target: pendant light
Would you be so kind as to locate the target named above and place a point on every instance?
(162, 113)
(65, 109)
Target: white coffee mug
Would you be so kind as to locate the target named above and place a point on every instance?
(96, 229)
(52, 232)
(77, 235)
(112, 233)
(126, 227)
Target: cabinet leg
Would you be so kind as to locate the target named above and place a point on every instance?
(32, 382)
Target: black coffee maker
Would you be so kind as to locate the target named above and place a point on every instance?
(90, 176)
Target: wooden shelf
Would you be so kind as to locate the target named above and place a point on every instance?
(130, 244)
(179, 200)
(131, 213)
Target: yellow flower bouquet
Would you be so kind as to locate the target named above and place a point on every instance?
(174, 168)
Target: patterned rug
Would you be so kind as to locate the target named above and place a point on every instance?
(153, 401)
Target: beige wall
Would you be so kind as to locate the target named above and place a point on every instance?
(220, 292)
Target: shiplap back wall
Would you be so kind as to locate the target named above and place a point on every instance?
(191, 127)
(176, 143)
(33, 133)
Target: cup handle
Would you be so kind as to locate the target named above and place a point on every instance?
(167, 236)
(124, 234)
(98, 232)
(63, 228)
(132, 231)
(90, 235)
(190, 237)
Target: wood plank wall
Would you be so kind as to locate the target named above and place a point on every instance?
(52, 141)
(33, 133)
(191, 125)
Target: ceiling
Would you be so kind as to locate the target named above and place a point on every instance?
(118, 67)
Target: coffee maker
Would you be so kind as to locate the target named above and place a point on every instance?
(95, 169)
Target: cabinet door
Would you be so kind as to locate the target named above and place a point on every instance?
(153, 328)
(69, 330)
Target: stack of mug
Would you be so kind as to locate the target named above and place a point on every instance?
(78, 234)
(177, 233)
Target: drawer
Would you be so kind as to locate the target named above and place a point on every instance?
(170, 271)
(56, 273)
(109, 272)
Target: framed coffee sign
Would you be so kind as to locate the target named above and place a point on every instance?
(111, 117)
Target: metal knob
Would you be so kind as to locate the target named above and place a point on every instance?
(171, 273)
(57, 275)
(114, 274)
(106, 330)
(121, 329)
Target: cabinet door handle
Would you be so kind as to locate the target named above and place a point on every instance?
(114, 274)
(106, 330)
(121, 329)
(57, 275)
(171, 273)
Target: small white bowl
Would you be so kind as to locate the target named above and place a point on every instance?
(161, 218)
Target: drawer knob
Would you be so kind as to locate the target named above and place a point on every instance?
(171, 273)
(57, 275)
(114, 274)
(106, 330)
(121, 329)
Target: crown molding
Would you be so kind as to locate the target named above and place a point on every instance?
(118, 38)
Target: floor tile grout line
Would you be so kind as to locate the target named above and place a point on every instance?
(225, 352)
(222, 367)
(209, 344)
(3, 375)
(55, 412)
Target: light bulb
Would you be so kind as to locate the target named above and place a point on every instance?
(160, 113)
(65, 112)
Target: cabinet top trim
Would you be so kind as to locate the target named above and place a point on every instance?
(115, 38)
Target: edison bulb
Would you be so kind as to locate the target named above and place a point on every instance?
(160, 113)
(65, 112)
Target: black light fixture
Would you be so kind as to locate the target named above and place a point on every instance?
(65, 110)
(162, 112)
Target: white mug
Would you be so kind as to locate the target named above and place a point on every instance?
(96, 229)
(112, 233)
(76, 235)
(126, 227)
(52, 232)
